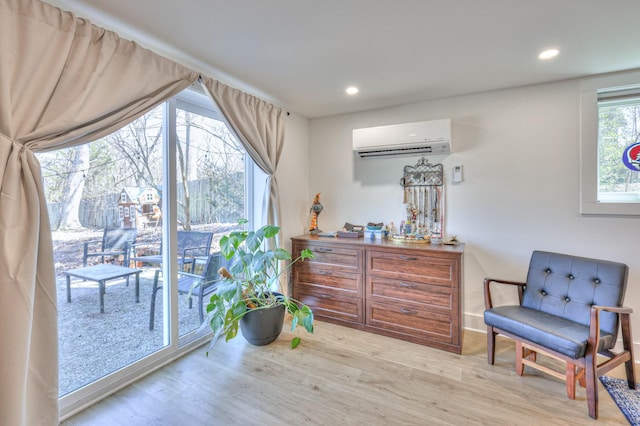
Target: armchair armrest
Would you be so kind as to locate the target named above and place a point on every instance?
(614, 309)
(190, 249)
(145, 247)
(89, 244)
(594, 322)
(488, 304)
(189, 274)
(94, 248)
(190, 260)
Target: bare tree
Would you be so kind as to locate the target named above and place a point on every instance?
(207, 150)
(207, 155)
(140, 145)
(73, 187)
(183, 166)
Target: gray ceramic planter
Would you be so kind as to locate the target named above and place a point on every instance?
(262, 326)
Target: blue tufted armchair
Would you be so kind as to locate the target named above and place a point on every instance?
(570, 308)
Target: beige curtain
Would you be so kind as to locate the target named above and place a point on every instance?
(63, 82)
(260, 126)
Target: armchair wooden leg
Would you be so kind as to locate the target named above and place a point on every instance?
(200, 310)
(525, 355)
(581, 378)
(627, 343)
(519, 355)
(592, 385)
(571, 380)
(152, 312)
(491, 345)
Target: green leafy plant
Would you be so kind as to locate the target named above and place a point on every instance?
(253, 282)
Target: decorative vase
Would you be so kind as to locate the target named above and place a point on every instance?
(262, 326)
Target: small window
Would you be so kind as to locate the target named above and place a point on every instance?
(123, 197)
(610, 145)
(120, 212)
(619, 146)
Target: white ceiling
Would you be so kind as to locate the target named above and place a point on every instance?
(302, 54)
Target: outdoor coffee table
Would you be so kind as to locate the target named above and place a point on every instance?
(101, 274)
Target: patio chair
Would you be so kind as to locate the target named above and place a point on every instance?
(115, 242)
(191, 245)
(197, 285)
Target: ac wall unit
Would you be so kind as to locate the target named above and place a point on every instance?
(419, 138)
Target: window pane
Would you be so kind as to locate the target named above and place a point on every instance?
(619, 128)
(94, 195)
(211, 196)
(116, 183)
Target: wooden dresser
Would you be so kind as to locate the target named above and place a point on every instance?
(407, 291)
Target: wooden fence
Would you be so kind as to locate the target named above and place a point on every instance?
(210, 202)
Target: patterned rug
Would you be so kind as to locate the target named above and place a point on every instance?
(628, 400)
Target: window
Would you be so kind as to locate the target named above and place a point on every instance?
(618, 135)
(610, 145)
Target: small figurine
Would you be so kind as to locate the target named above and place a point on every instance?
(315, 210)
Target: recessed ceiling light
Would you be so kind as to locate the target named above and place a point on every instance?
(548, 54)
(352, 90)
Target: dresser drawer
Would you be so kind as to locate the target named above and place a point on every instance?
(337, 258)
(330, 304)
(309, 274)
(415, 267)
(413, 291)
(411, 320)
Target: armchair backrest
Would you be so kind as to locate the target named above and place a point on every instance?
(567, 286)
(214, 262)
(198, 242)
(116, 238)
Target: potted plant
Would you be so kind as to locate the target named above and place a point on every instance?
(250, 294)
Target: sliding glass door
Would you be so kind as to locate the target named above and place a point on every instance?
(131, 214)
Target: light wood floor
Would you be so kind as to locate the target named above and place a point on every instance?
(340, 376)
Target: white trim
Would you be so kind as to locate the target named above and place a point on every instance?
(92, 393)
(589, 204)
(193, 100)
(169, 294)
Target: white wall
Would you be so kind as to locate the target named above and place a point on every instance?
(293, 178)
(520, 152)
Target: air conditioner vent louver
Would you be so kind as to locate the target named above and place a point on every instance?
(424, 137)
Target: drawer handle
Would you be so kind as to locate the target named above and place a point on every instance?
(326, 296)
(408, 285)
(327, 273)
(407, 311)
(408, 258)
(324, 250)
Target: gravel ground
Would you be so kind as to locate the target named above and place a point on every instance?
(91, 344)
